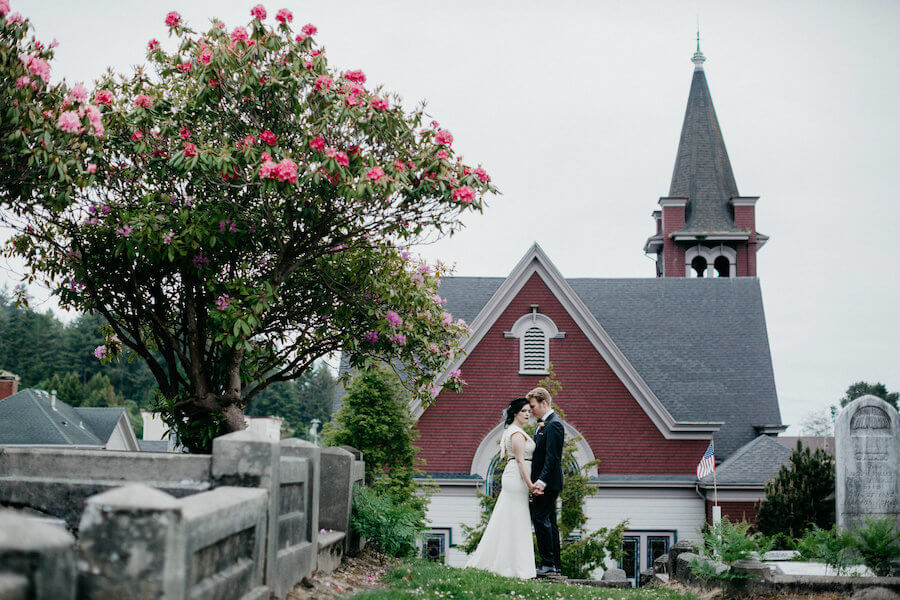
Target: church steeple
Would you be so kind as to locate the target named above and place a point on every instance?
(705, 227)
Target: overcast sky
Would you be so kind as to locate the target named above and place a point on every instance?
(575, 109)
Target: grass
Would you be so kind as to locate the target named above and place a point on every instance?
(422, 579)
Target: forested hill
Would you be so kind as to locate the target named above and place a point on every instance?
(48, 354)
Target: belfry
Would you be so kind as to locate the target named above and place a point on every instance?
(704, 227)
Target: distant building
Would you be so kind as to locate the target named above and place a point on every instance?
(35, 417)
(157, 437)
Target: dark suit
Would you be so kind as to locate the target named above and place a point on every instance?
(546, 466)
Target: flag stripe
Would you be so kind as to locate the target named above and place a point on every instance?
(707, 464)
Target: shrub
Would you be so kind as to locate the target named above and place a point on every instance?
(580, 557)
(728, 542)
(877, 542)
(830, 546)
(391, 526)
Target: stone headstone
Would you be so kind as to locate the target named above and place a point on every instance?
(614, 575)
(867, 460)
(875, 593)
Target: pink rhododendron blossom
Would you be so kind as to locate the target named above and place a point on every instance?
(379, 104)
(309, 29)
(206, 56)
(398, 338)
(455, 373)
(153, 44)
(173, 19)
(442, 155)
(352, 100)
(125, 231)
(78, 93)
(100, 352)
(104, 97)
(323, 82)
(437, 299)
(185, 133)
(399, 166)
(340, 157)
(4, 8)
(446, 318)
(36, 65)
(14, 19)
(284, 16)
(300, 37)
(239, 35)
(482, 175)
(433, 348)
(443, 137)
(375, 173)
(315, 53)
(372, 337)
(143, 100)
(185, 67)
(220, 24)
(268, 169)
(200, 261)
(69, 122)
(464, 194)
(136, 136)
(286, 171)
(356, 76)
(91, 168)
(317, 143)
(462, 324)
(393, 319)
(23, 81)
(259, 12)
(268, 137)
(223, 301)
(167, 237)
(190, 150)
(105, 210)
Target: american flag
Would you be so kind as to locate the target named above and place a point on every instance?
(707, 464)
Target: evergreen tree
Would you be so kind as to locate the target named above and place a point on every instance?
(374, 418)
(800, 496)
(298, 401)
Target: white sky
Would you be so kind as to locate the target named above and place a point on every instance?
(575, 109)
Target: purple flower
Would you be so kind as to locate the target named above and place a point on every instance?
(100, 351)
(200, 261)
(437, 299)
(105, 210)
(393, 318)
(455, 373)
(372, 337)
(399, 339)
(446, 318)
(223, 301)
(125, 231)
(167, 237)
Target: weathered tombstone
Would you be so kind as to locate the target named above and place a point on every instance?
(867, 457)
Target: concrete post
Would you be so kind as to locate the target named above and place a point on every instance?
(249, 459)
(336, 488)
(37, 553)
(132, 546)
(295, 565)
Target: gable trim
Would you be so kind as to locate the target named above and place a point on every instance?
(537, 261)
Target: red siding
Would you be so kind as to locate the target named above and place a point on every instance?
(735, 511)
(745, 218)
(673, 254)
(596, 403)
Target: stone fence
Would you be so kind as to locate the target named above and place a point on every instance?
(243, 522)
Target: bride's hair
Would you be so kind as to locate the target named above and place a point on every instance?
(513, 409)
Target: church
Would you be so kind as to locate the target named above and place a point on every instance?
(652, 369)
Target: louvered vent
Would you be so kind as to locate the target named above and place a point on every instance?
(534, 350)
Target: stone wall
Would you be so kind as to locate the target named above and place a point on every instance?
(242, 522)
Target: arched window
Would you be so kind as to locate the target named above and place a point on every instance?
(534, 332)
(722, 266)
(698, 265)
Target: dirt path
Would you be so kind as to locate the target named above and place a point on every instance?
(355, 575)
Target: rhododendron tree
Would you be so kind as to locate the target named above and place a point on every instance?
(48, 130)
(248, 212)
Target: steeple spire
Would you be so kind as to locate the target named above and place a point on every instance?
(698, 59)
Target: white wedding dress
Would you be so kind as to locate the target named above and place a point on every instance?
(506, 548)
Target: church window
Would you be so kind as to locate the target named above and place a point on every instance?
(699, 266)
(534, 332)
(722, 266)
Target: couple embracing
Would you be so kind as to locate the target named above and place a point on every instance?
(533, 469)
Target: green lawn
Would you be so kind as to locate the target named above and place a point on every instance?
(422, 579)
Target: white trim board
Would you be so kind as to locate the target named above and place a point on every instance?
(537, 261)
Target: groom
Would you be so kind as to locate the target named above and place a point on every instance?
(546, 472)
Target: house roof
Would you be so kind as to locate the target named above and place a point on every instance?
(34, 417)
(703, 171)
(101, 420)
(754, 463)
(699, 344)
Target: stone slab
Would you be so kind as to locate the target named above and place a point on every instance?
(13, 587)
(40, 552)
(331, 551)
(778, 555)
(801, 568)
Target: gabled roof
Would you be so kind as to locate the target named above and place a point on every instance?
(753, 464)
(698, 346)
(34, 417)
(702, 169)
(101, 420)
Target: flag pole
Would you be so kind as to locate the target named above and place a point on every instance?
(715, 486)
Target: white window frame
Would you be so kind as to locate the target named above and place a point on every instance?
(550, 331)
(711, 254)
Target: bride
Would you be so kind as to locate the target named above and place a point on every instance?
(506, 548)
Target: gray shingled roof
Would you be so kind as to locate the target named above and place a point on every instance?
(101, 420)
(756, 462)
(700, 344)
(31, 417)
(702, 170)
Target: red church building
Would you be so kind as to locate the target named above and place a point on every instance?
(652, 369)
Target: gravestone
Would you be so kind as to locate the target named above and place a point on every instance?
(867, 460)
